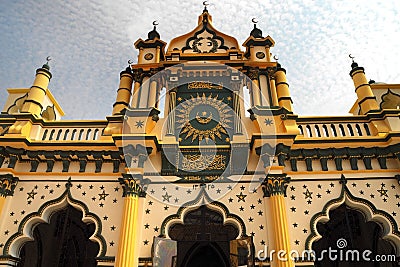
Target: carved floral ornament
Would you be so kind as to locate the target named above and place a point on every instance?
(7, 185)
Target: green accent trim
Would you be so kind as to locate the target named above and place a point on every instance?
(346, 192)
(39, 213)
(211, 202)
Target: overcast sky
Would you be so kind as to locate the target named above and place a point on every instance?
(91, 41)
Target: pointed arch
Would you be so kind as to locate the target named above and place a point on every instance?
(202, 199)
(24, 234)
(370, 212)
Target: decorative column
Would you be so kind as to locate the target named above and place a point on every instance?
(7, 186)
(236, 106)
(265, 98)
(255, 88)
(133, 193)
(282, 88)
(34, 103)
(128, 242)
(124, 91)
(171, 112)
(274, 188)
(137, 75)
(152, 94)
(366, 98)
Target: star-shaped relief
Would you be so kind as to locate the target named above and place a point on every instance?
(166, 197)
(103, 195)
(308, 194)
(31, 195)
(383, 191)
(139, 124)
(241, 197)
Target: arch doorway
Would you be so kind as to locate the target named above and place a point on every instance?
(64, 242)
(203, 239)
(350, 225)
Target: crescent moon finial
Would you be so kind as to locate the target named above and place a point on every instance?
(254, 20)
(352, 58)
(130, 61)
(276, 57)
(48, 59)
(205, 4)
(155, 23)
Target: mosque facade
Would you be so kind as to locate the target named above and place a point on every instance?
(203, 162)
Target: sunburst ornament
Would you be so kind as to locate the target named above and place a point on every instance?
(204, 117)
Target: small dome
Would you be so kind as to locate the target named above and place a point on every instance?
(153, 34)
(256, 32)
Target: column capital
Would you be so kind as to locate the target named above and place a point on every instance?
(131, 185)
(7, 184)
(275, 184)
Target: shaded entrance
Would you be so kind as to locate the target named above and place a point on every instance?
(350, 225)
(62, 243)
(203, 239)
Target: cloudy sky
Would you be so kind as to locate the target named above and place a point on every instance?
(91, 41)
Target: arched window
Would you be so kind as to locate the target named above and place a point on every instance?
(51, 134)
(73, 134)
(64, 242)
(317, 130)
(350, 228)
(359, 132)
(342, 130)
(80, 134)
(326, 133)
(309, 131)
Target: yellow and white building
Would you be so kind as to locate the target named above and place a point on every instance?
(203, 162)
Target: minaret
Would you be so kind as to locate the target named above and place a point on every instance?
(258, 53)
(34, 103)
(124, 91)
(365, 97)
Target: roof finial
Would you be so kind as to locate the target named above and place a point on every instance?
(257, 33)
(276, 60)
(46, 65)
(153, 34)
(353, 64)
(205, 4)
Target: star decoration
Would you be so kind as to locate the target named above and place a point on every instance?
(116, 189)
(218, 191)
(252, 207)
(308, 194)
(230, 200)
(166, 208)
(268, 122)
(139, 124)
(261, 227)
(146, 242)
(383, 191)
(103, 195)
(101, 205)
(293, 209)
(115, 200)
(293, 197)
(147, 211)
(112, 243)
(260, 213)
(241, 208)
(113, 228)
(295, 225)
(251, 219)
(146, 226)
(166, 197)
(241, 197)
(105, 218)
(242, 187)
(296, 242)
(176, 200)
(31, 194)
(292, 188)
(156, 229)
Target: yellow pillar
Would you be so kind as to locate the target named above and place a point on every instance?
(366, 99)
(282, 89)
(124, 91)
(135, 96)
(34, 103)
(152, 94)
(255, 87)
(273, 92)
(274, 188)
(128, 254)
(7, 186)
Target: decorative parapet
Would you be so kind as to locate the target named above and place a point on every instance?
(7, 184)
